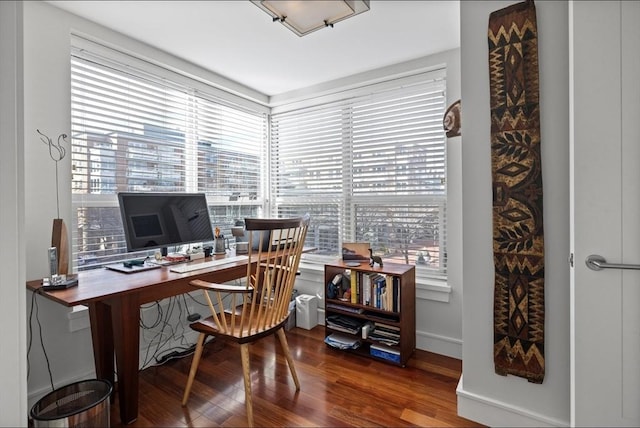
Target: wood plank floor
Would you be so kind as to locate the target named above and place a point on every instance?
(337, 389)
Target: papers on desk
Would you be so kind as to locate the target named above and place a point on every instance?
(342, 341)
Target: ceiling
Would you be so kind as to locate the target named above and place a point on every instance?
(240, 42)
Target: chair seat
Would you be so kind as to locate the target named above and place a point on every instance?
(209, 327)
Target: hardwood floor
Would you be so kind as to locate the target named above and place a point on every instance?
(337, 389)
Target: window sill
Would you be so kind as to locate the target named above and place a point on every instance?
(433, 289)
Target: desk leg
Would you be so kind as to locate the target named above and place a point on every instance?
(125, 313)
(102, 339)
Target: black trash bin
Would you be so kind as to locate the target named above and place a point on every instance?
(80, 404)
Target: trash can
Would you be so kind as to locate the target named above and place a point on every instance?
(306, 311)
(80, 404)
(291, 321)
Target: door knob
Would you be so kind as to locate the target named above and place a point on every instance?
(596, 262)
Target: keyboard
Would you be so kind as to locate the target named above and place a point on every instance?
(196, 265)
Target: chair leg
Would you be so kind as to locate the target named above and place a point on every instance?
(194, 367)
(244, 354)
(287, 354)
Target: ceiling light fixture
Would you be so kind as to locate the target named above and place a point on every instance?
(305, 16)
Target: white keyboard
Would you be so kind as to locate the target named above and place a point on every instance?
(196, 265)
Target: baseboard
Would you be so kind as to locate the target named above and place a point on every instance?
(494, 413)
(442, 345)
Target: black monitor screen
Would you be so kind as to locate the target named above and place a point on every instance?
(155, 220)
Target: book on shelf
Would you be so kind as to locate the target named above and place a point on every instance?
(345, 308)
(380, 283)
(388, 301)
(384, 340)
(354, 287)
(386, 333)
(344, 324)
(384, 291)
(388, 336)
(386, 327)
(385, 352)
(378, 290)
(396, 294)
(384, 316)
(366, 290)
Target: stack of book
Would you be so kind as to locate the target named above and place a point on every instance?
(344, 324)
(342, 341)
(386, 353)
(381, 291)
(386, 334)
(345, 308)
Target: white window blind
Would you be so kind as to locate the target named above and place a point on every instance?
(135, 131)
(368, 169)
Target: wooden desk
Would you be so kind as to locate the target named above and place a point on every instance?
(114, 300)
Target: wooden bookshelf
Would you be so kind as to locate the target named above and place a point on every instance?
(382, 298)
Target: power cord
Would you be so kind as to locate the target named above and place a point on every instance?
(170, 331)
(34, 304)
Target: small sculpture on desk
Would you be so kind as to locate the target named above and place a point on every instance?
(374, 259)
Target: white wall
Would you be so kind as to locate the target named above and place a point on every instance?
(47, 107)
(482, 395)
(13, 367)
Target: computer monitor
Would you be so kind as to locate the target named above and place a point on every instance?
(161, 220)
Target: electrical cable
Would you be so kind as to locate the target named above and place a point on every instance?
(158, 319)
(33, 297)
(184, 300)
(34, 303)
(156, 338)
(171, 321)
(203, 304)
(157, 345)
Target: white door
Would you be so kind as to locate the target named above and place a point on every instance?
(605, 309)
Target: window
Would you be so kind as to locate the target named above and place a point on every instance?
(135, 130)
(368, 168)
(368, 164)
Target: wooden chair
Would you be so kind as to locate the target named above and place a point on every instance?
(259, 307)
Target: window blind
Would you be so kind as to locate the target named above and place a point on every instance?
(370, 169)
(135, 131)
